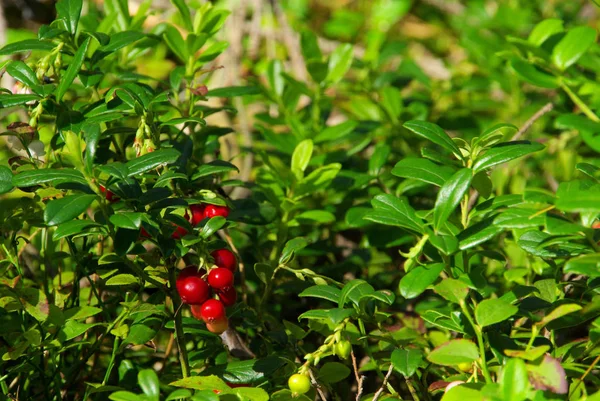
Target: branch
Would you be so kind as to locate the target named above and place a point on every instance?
(385, 381)
(548, 107)
(359, 378)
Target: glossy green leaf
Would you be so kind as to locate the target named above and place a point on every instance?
(340, 61)
(333, 372)
(6, 180)
(127, 220)
(213, 168)
(119, 40)
(422, 170)
(432, 133)
(301, 156)
(336, 131)
(578, 196)
(317, 180)
(15, 100)
(291, 247)
(175, 42)
(152, 160)
(73, 227)
(559, 312)
(407, 361)
(452, 290)
(450, 195)
(26, 46)
(393, 211)
(41, 176)
(148, 381)
(69, 76)
(70, 11)
(454, 352)
(184, 14)
(587, 265)
(505, 152)
(416, 281)
(353, 291)
(492, 311)
(544, 29)
(233, 91)
(327, 292)
(64, 209)
(24, 74)
(572, 46)
(534, 76)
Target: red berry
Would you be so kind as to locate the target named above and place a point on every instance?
(197, 214)
(144, 233)
(110, 196)
(218, 326)
(191, 287)
(596, 225)
(220, 278)
(224, 258)
(228, 296)
(212, 310)
(214, 210)
(179, 232)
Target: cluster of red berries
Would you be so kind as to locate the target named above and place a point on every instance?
(196, 287)
(199, 213)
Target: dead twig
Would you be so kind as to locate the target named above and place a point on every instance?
(385, 381)
(547, 108)
(359, 378)
(316, 385)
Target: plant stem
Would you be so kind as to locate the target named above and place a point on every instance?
(580, 103)
(479, 334)
(180, 337)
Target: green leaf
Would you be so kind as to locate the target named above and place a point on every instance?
(175, 42)
(454, 352)
(587, 265)
(393, 211)
(416, 281)
(184, 13)
(15, 100)
(422, 170)
(301, 157)
(22, 73)
(122, 279)
(548, 375)
(70, 11)
(290, 248)
(41, 176)
(212, 226)
(148, 381)
(248, 371)
(544, 29)
(492, 311)
(316, 216)
(336, 131)
(69, 76)
(578, 196)
(64, 209)
(333, 372)
(119, 40)
(354, 290)
(202, 383)
(464, 392)
(327, 292)
(127, 220)
(152, 160)
(126, 396)
(317, 180)
(233, 91)
(212, 168)
(532, 75)
(6, 180)
(572, 46)
(432, 133)
(559, 312)
(505, 152)
(264, 271)
(72, 228)
(340, 61)
(514, 380)
(452, 290)
(587, 128)
(450, 195)
(26, 46)
(407, 361)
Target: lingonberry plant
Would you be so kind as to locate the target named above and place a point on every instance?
(301, 201)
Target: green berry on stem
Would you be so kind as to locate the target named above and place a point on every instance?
(299, 384)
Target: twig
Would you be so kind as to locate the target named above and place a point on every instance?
(359, 378)
(547, 107)
(385, 381)
(317, 385)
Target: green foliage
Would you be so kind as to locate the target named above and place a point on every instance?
(413, 192)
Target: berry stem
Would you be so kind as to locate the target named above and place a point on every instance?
(179, 336)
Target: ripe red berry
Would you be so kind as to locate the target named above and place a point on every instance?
(144, 233)
(218, 326)
(179, 233)
(197, 214)
(214, 210)
(110, 196)
(212, 310)
(191, 287)
(224, 258)
(227, 296)
(220, 278)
